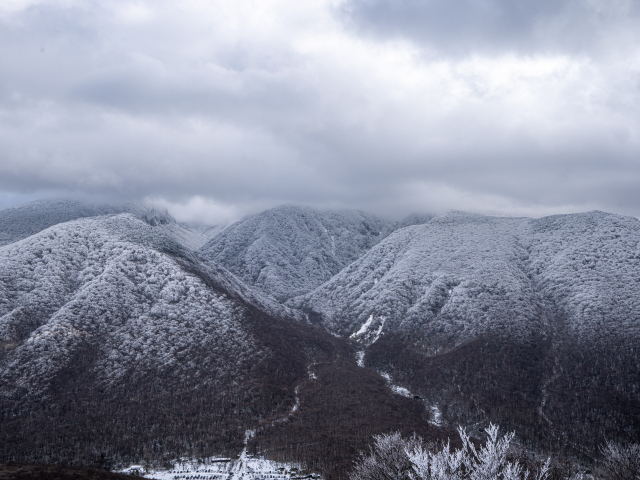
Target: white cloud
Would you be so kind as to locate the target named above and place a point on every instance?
(199, 209)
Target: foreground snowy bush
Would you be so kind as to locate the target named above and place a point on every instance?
(621, 462)
(395, 458)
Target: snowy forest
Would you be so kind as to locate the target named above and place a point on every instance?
(350, 345)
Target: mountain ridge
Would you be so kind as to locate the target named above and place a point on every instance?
(21, 221)
(457, 319)
(440, 254)
(516, 313)
(290, 249)
(117, 339)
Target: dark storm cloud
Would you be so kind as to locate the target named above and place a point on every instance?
(215, 109)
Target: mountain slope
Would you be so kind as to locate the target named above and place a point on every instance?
(588, 265)
(118, 345)
(446, 280)
(504, 315)
(287, 251)
(463, 274)
(119, 342)
(112, 305)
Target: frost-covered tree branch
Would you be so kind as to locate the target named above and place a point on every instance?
(621, 462)
(393, 457)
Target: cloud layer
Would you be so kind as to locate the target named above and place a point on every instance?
(392, 106)
(574, 27)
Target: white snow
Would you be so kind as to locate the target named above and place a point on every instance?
(296, 405)
(245, 467)
(396, 388)
(219, 468)
(101, 278)
(288, 250)
(379, 331)
(364, 327)
(436, 415)
(360, 358)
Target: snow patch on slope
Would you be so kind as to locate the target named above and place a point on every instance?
(360, 358)
(436, 413)
(363, 329)
(396, 388)
(247, 467)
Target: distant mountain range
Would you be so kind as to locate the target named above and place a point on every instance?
(22, 221)
(126, 335)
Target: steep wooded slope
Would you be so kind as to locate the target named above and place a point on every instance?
(461, 275)
(534, 323)
(110, 306)
(588, 267)
(447, 280)
(118, 344)
(287, 251)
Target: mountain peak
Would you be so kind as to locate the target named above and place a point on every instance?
(289, 250)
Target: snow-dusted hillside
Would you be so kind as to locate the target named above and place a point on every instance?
(27, 219)
(588, 266)
(119, 344)
(287, 251)
(533, 323)
(449, 279)
(461, 275)
(119, 336)
(93, 280)
(113, 305)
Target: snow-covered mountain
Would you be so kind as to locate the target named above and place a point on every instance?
(119, 343)
(120, 336)
(448, 279)
(127, 289)
(114, 305)
(461, 275)
(512, 316)
(287, 251)
(21, 221)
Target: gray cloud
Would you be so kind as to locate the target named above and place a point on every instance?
(468, 26)
(236, 107)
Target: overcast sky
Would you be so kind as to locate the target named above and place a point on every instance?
(216, 109)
